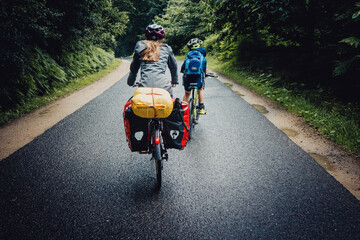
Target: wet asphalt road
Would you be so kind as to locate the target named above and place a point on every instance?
(239, 178)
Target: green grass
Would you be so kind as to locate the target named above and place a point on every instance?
(339, 122)
(60, 91)
(180, 57)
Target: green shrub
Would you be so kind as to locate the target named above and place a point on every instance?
(79, 59)
(38, 101)
(338, 121)
(41, 73)
(210, 43)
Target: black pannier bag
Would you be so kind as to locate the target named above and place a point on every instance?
(176, 126)
(136, 129)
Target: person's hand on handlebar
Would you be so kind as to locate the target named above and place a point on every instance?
(135, 84)
(173, 84)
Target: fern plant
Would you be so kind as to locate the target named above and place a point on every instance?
(352, 41)
(353, 57)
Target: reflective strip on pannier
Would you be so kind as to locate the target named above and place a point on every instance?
(136, 130)
(176, 126)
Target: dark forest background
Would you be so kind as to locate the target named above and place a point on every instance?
(48, 43)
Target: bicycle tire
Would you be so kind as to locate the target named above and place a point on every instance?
(197, 107)
(158, 165)
(192, 120)
(158, 160)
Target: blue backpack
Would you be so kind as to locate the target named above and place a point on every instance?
(194, 63)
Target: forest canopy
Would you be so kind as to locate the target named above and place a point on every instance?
(48, 42)
(312, 42)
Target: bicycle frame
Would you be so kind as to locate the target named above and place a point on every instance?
(195, 96)
(156, 145)
(194, 108)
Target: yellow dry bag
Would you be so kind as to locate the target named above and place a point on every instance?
(152, 103)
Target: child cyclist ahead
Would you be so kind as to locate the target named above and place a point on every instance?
(194, 74)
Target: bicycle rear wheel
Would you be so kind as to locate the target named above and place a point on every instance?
(157, 156)
(158, 164)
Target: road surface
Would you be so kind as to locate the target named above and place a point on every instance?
(239, 178)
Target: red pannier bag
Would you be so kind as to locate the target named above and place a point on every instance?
(136, 130)
(176, 126)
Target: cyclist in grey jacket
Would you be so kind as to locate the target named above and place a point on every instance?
(153, 56)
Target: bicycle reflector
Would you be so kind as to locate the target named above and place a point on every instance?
(157, 140)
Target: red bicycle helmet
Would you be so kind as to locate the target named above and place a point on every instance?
(154, 32)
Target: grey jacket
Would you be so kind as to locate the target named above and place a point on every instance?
(152, 74)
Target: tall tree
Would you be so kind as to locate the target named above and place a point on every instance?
(141, 13)
(39, 30)
(183, 20)
(309, 31)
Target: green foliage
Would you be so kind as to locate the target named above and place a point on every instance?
(59, 91)
(42, 74)
(210, 43)
(344, 67)
(183, 20)
(49, 42)
(312, 42)
(79, 59)
(98, 22)
(340, 122)
(141, 13)
(352, 41)
(108, 24)
(347, 66)
(311, 46)
(38, 77)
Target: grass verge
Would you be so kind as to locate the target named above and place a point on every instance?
(180, 57)
(338, 121)
(39, 101)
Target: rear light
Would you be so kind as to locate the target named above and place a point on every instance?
(157, 140)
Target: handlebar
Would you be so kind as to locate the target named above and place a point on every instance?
(136, 84)
(211, 75)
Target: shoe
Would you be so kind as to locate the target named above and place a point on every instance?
(202, 111)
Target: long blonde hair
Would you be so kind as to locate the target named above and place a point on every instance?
(152, 51)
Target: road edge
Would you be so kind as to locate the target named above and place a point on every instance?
(26, 128)
(338, 162)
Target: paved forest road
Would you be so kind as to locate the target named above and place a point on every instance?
(239, 178)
